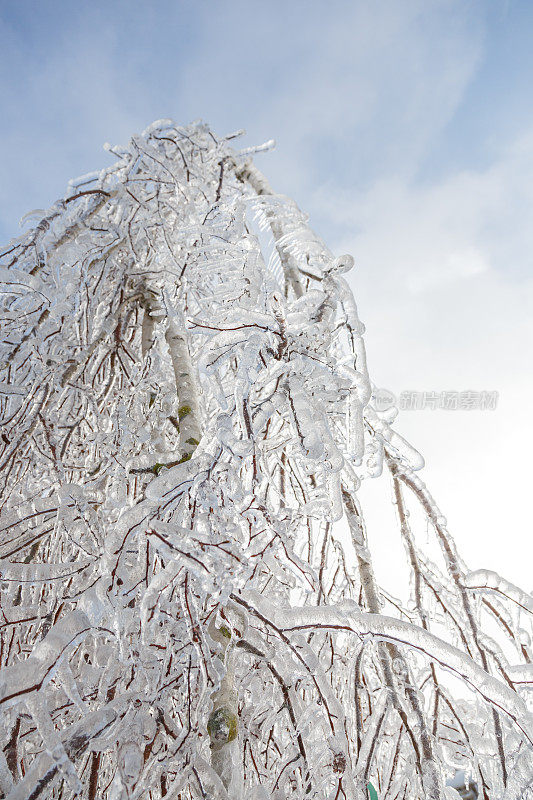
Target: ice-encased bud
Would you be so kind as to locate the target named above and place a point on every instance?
(130, 762)
(222, 727)
(341, 265)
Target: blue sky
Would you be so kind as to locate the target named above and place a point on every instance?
(404, 128)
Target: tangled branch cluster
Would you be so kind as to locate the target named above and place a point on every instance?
(189, 607)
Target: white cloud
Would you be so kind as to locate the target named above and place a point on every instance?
(445, 287)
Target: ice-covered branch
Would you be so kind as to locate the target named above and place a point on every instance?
(383, 628)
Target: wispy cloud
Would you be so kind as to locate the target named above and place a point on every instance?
(350, 89)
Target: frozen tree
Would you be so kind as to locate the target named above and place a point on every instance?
(189, 606)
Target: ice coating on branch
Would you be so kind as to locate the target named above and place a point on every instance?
(39, 573)
(189, 607)
(487, 579)
(398, 445)
(390, 629)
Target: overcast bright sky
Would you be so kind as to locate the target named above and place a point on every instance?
(405, 129)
